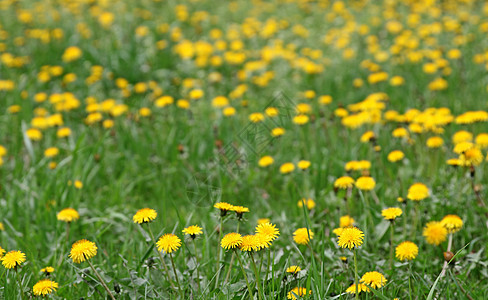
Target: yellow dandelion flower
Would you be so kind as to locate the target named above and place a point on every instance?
(303, 164)
(82, 250)
(300, 119)
(373, 279)
(346, 221)
(344, 182)
(395, 155)
(297, 292)
(368, 136)
(231, 241)
(417, 192)
(406, 251)
(68, 215)
(2, 252)
(351, 237)
(471, 157)
(47, 270)
(145, 215)
(361, 288)
(365, 183)
(338, 231)
(452, 223)
(268, 230)
(193, 231)
(434, 233)
(44, 287)
(309, 203)
(293, 269)
(265, 161)
(287, 168)
(169, 243)
(224, 207)
(263, 221)
(249, 243)
(301, 236)
(13, 259)
(51, 152)
(391, 213)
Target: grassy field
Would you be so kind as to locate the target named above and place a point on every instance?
(231, 116)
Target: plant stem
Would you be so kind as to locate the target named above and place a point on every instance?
(356, 274)
(161, 258)
(219, 253)
(268, 265)
(176, 276)
(101, 280)
(449, 245)
(67, 232)
(198, 263)
(244, 273)
(20, 283)
(416, 218)
(256, 272)
(391, 245)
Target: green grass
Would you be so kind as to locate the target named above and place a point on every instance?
(172, 161)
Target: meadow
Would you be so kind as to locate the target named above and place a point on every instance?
(197, 149)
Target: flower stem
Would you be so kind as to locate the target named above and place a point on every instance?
(356, 274)
(268, 265)
(244, 273)
(161, 258)
(391, 245)
(67, 232)
(176, 276)
(198, 263)
(219, 250)
(256, 272)
(101, 280)
(20, 284)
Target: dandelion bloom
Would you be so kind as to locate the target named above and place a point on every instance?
(395, 155)
(82, 250)
(406, 251)
(351, 237)
(452, 223)
(265, 161)
(300, 119)
(250, 243)
(268, 230)
(193, 231)
(373, 279)
(344, 182)
(417, 192)
(368, 136)
(365, 183)
(308, 202)
(293, 269)
(361, 288)
(13, 259)
(68, 215)
(278, 131)
(435, 142)
(287, 168)
(301, 236)
(434, 233)
(303, 164)
(391, 213)
(2, 252)
(231, 240)
(346, 221)
(51, 152)
(297, 292)
(338, 231)
(263, 221)
(44, 287)
(169, 243)
(240, 210)
(144, 215)
(224, 207)
(47, 270)
(471, 157)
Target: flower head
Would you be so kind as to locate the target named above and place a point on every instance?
(361, 288)
(309, 203)
(265, 161)
(2, 252)
(240, 210)
(82, 250)
(406, 251)
(287, 168)
(346, 221)
(391, 213)
(193, 231)
(365, 183)
(250, 243)
(373, 279)
(452, 223)
(351, 237)
(231, 240)
(344, 182)
(44, 287)
(169, 243)
(297, 292)
(68, 215)
(301, 236)
(395, 155)
(293, 269)
(47, 270)
(13, 259)
(435, 233)
(224, 207)
(268, 230)
(417, 192)
(145, 215)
